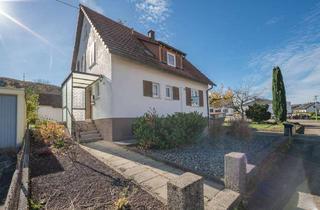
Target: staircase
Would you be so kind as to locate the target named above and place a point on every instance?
(88, 132)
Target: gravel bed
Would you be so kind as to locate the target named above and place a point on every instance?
(207, 156)
(71, 178)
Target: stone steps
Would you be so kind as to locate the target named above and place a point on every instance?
(89, 132)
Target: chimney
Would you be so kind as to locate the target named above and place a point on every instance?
(151, 34)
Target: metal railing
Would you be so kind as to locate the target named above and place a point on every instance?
(75, 129)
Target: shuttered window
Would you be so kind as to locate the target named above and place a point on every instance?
(200, 98)
(164, 55)
(147, 88)
(175, 93)
(151, 89)
(194, 97)
(188, 96)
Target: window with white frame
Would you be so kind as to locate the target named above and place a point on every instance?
(155, 90)
(171, 59)
(194, 97)
(97, 90)
(92, 54)
(168, 92)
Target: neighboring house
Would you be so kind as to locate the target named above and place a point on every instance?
(50, 107)
(118, 74)
(50, 99)
(12, 117)
(223, 111)
(269, 102)
(307, 108)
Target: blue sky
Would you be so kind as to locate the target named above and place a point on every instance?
(232, 42)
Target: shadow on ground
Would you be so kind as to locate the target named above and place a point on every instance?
(7, 168)
(293, 182)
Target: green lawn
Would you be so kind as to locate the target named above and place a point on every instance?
(267, 126)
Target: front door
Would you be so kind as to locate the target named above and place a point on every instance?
(88, 103)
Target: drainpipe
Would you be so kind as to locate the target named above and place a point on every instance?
(208, 109)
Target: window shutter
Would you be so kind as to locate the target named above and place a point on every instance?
(147, 88)
(175, 93)
(200, 98)
(188, 96)
(178, 61)
(164, 54)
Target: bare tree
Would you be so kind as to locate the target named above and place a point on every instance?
(241, 96)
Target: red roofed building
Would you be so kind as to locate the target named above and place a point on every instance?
(118, 74)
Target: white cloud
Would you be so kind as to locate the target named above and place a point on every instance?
(154, 11)
(93, 4)
(299, 61)
(154, 14)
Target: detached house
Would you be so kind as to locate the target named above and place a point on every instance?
(118, 74)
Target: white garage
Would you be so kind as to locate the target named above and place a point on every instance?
(12, 117)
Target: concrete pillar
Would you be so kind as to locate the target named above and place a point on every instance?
(185, 192)
(235, 170)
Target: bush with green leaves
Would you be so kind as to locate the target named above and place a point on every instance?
(258, 112)
(170, 131)
(32, 104)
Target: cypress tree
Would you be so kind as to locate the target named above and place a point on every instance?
(279, 103)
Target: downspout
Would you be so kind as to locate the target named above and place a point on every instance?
(208, 109)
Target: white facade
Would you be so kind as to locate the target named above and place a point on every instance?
(50, 113)
(121, 88)
(127, 90)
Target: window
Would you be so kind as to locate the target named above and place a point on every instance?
(168, 92)
(171, 59)
(92, 55)
(83, 63)
(155, 90)
(97, 90)
(194, 97)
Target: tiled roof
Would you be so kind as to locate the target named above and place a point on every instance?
(124, 41)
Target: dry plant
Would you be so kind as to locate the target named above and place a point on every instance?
(240, 128)
(216, 127)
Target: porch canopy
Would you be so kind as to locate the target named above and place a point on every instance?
(73, 96)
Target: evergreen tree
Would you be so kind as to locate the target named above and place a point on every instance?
(279, 103)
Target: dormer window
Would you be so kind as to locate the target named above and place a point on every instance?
(171, 59)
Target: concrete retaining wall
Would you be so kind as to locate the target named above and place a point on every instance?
(17, 197)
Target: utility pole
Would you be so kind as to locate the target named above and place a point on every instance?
(315, 106)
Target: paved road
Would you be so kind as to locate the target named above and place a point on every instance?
(293, 183)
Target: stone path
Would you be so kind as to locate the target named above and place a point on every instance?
(153, 176)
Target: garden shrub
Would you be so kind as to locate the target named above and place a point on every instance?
(32, 105)
(50, 133)
(258, 112)
(240, 128)
(170, 131)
